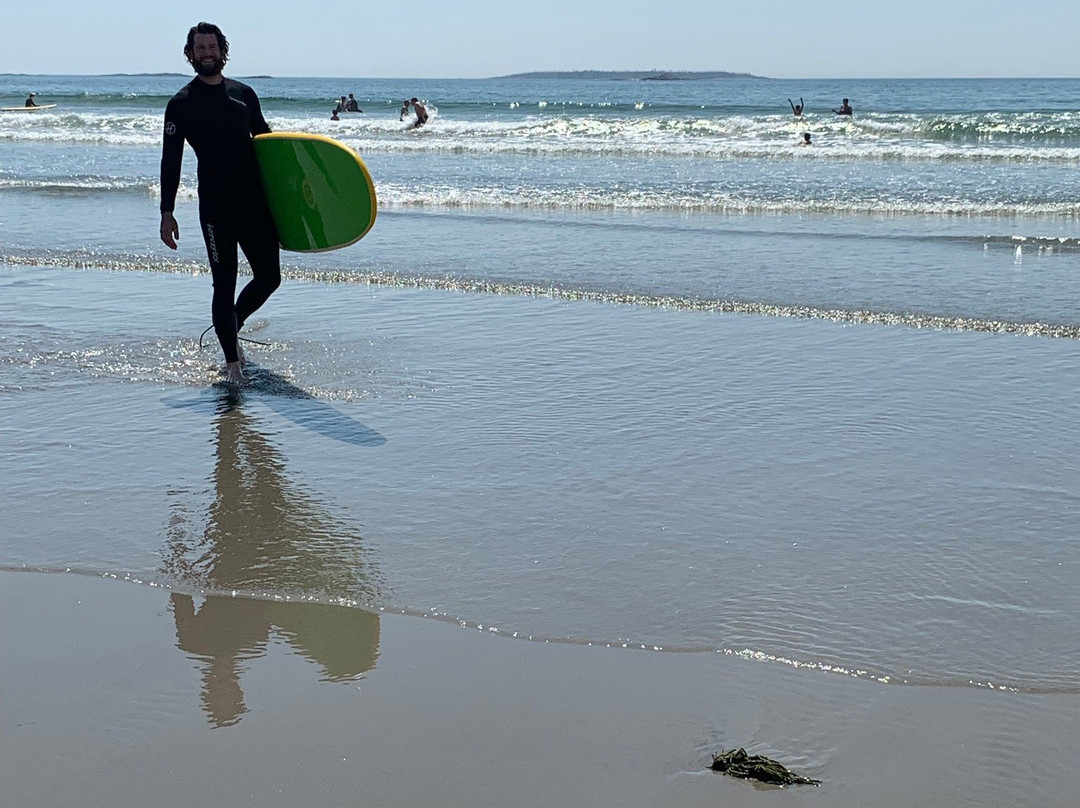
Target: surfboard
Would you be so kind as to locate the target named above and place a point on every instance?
(27, 109)
(319, 190)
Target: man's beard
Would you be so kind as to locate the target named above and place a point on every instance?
(209, 69)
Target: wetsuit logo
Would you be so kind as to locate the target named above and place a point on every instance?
(212, 243)
(170, 128)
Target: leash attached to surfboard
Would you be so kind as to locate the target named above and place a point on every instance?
(242, 339)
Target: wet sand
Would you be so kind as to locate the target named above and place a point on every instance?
(117, 693)
(120, 455)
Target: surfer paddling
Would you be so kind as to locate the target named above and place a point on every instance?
(219, 117)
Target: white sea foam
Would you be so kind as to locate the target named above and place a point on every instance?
(961, 138)
(684, 199)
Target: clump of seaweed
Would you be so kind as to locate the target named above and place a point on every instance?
(738, 763)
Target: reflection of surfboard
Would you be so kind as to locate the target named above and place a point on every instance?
(27, 109)
(319, 191)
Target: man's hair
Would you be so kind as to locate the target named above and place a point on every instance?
(206, 28)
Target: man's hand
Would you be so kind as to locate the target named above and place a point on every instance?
(170, 232)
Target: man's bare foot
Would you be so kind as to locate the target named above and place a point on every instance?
(234, 374)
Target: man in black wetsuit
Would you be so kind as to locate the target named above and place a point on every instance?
(219, 117)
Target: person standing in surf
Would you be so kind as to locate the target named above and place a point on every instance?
(219, 117)
(421, 113)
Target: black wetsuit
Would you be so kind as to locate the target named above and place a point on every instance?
(219, 120)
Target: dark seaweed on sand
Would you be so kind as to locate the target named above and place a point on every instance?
(757, 767)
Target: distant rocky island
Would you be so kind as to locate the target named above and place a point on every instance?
(632, 75)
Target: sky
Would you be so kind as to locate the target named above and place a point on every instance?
(481, 38)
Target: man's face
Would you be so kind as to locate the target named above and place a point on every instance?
(206, 55)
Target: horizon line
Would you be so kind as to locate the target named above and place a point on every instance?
(733, 74)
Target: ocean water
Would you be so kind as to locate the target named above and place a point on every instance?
(621, 362)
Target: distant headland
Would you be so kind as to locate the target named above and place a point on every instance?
(632, 75)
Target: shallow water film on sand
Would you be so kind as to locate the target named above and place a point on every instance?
(621, 363)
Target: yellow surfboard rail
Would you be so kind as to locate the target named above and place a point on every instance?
(319, 191)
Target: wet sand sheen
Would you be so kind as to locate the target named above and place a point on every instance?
(573, 469)
(111, 689)
(579, 471)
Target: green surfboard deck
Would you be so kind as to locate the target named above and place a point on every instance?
(319, 191)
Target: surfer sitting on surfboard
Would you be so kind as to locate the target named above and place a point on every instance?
(30, 100)
(219, 117)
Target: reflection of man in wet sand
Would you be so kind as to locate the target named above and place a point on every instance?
(223, 633)
(265, 534)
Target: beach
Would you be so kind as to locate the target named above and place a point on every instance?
(598, 455)
(103, 708)
(231, 647)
